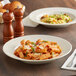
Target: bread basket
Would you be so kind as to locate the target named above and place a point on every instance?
(3, 3)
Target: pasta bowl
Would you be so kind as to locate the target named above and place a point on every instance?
(37, 14)
(10, 46)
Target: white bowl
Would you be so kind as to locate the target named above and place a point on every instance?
(37, 14)
(10, 46)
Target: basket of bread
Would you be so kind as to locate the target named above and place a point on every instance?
(7, 5)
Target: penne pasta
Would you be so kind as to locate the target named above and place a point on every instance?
(39, 50)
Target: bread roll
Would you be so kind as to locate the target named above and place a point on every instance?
(14, 5)
(2, 10)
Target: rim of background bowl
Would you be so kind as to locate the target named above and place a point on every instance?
(73, 22)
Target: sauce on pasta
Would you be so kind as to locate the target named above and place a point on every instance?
(39, 50)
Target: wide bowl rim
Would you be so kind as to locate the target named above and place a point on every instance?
(25, 60)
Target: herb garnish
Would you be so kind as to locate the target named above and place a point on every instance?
(45, 41)
(33, 43)
(33, 49)
(26, 54)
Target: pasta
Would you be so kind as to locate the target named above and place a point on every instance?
(56, 19)
(39, 50)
